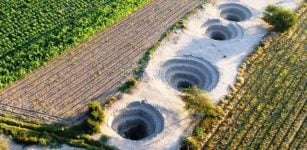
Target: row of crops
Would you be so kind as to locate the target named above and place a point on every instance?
(33, 32)
(267, 108)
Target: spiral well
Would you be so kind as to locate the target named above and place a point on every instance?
(221, 31)
(138, 121)
(235, 12)
(188, 71)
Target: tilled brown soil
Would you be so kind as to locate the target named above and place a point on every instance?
(94, 69)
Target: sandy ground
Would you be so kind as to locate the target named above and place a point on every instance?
(226, 56)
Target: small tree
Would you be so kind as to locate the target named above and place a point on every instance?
(96, 117)
(279, 17)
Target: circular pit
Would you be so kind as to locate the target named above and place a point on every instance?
(139, 121)
(235, 12)
(188, 71)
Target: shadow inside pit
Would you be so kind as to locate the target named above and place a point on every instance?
(133, 130)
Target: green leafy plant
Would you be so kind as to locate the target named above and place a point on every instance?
(38, 33)
(282, 19)
(198, 132)
(126, 87)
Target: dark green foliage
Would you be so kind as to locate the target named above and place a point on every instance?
(33, 32)
(126, 87)
(199, 102)
(96, 117)
(282, 19)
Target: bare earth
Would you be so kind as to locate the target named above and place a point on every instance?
(94, 69)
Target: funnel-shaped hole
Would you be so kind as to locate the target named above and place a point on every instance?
(223, 31)
(186, 72)
(133, 129)
(184, 85)
(232, 18)
(219, 32)
(139, 121)
(235, 12)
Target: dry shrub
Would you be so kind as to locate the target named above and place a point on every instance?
(4, 144)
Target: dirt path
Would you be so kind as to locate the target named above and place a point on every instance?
(95, 68)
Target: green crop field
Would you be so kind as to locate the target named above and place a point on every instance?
(33, 32)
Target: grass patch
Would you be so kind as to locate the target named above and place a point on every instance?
(199, 103)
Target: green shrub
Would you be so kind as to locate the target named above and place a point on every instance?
(198, 132)
(190, 143)
(4, 144)
(128, 85)
(279, 17)
(131, 82)
(96, 117)
(199, 102)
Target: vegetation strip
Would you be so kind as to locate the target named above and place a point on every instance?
(79, 135)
